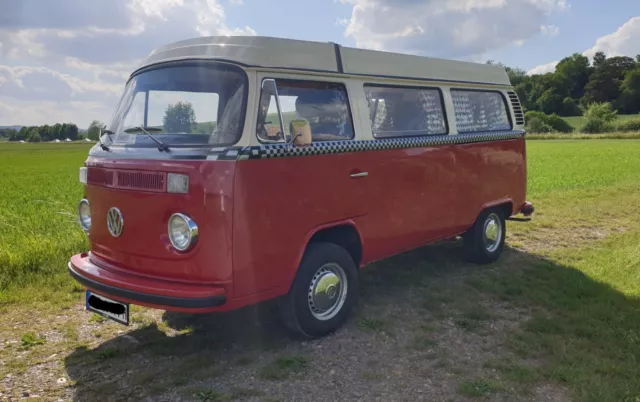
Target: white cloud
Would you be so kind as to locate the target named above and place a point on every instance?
(544, 68)
(447, 28)
(549, 30)
(623, 42)
(83, 51)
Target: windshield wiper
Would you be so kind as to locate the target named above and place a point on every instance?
(102, 144)
(136, 129)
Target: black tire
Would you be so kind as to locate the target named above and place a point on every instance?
(296, 306)
(480, 248)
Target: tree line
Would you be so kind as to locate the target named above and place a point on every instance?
(54, 132)
(43, 133)
(578, 83)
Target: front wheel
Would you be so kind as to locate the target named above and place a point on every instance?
(484, 241)
(323, 292)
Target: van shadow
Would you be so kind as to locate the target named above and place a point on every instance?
(146, 361)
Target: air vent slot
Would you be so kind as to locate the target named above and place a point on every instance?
(141, 180)
(517, 108)
(127, 179)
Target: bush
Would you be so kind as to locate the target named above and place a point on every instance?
(596, 126)
(538, 125)
(629, 125)
(538, 122)
(570, 108)
(600, 117)
(559, 124)
(601, 111)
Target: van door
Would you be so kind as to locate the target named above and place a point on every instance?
(283, 192)
(413, 173)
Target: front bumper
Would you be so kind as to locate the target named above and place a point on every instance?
(150, 292)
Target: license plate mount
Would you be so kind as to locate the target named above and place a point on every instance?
(108, 308)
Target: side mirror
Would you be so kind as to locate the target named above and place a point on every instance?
(300, 132)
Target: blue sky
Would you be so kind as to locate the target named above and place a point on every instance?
(67, 61)
(579, 26)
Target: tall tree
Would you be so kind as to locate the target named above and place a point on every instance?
(629, 100)
(64, 132)
(575, 70)
(57, 132)
(516, 75)
(72, 132)
(179, 118)
(598, 59)
(605, 83)
(33, 134)
(94, 130)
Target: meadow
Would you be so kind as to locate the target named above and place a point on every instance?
(556, 318)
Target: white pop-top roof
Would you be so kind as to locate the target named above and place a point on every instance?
(258, 51)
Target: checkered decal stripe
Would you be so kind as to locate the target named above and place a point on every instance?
(225, 154)
(338, 147)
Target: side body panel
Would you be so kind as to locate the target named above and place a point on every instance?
(410, 197)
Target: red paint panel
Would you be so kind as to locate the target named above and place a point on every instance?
(278, 202)
(410, 197)
(144, 247)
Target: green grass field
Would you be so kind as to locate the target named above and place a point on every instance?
(38, 220)
(568, 288)
(578, 121)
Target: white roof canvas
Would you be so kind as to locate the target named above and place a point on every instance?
(257, 51)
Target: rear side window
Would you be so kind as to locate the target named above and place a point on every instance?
(324, 105)
(405, 111)
(480, 111)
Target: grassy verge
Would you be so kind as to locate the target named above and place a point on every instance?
(585, 136)
(578, 121)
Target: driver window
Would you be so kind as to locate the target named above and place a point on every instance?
(325, 106)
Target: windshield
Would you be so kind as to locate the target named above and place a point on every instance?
(182, 105)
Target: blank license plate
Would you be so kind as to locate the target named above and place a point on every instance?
(115, 310)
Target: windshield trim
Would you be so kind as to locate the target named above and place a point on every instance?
(193, 63)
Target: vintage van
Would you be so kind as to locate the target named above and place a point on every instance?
(241, 169)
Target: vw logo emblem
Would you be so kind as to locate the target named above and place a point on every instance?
(115, 222)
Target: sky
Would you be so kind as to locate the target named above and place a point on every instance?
(68, 60)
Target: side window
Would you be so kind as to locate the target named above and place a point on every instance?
(324, 105)
(405, 111)
(480, 111)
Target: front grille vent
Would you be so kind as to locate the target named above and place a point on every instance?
(127, 179)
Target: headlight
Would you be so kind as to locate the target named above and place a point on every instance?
(84, 214)
(183, 232)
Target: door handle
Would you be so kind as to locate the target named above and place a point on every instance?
(361, 174)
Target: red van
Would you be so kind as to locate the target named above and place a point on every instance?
(241, 169)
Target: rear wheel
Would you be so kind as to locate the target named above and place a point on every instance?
(323, 292)
(484, 241)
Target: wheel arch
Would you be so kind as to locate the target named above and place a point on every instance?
(342, 233)
(505, 205)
